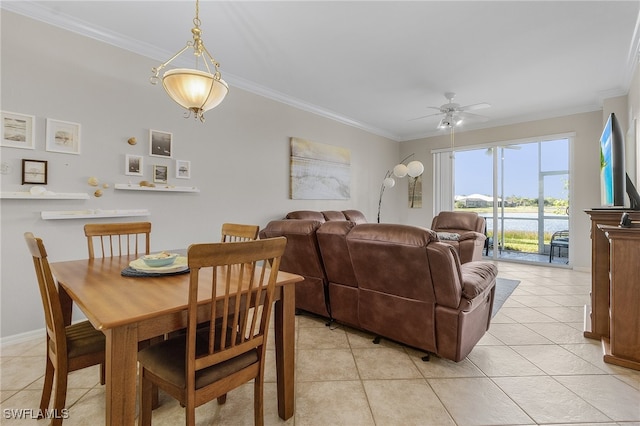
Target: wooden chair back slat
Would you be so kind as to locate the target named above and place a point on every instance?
(118, 239)
(244, 317)
(233, 232)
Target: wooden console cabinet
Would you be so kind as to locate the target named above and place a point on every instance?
(623, 345)
(614, 314)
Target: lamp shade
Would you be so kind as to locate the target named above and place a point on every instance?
(400, 170)
(415, 168)
(389, 182)
(195, 90)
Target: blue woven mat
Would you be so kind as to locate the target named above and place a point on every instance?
(130, 272)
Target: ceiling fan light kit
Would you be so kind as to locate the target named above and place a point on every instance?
(454, 113)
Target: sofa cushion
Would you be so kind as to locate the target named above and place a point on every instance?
(477, 277)
(355, 216)
(333, 215)
(458, 220)
(383, 253)
(302, 256)
(393, 233)
(332, 239)
(306, 215)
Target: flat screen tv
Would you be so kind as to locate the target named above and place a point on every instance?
(613, 178)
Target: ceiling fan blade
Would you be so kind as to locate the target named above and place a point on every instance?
(472, 116)
(425, 116)
(481, 105)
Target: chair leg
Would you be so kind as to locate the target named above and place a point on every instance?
(155, 400)
(190, 413)
(47, 387)
(222, 399)
(103, 376)
(146, 400)
(258, 401)
(61, 394)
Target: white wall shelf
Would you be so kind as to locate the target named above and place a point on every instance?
(159, 188)
(53, 196)
(92, 214)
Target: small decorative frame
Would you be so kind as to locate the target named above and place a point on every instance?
(160, 144)
(183, 169)
(17, 130)
(133, 165)
(63, 136)
(34, 171)
(160, 173)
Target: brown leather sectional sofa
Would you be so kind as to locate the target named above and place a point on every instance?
(396, 281)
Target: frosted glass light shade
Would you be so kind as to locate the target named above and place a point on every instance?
(400, 170)
(389, 182)
(415, 168)
(195, 90)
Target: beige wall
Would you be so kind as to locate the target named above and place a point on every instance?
(239, 156)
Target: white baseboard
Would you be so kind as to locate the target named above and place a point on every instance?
(22, 337)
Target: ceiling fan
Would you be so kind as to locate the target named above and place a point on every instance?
(454, 113)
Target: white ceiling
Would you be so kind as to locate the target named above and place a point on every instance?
(379, 64)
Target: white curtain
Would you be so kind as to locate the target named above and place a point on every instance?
(443, 181)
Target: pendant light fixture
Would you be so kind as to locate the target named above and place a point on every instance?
(195, 90)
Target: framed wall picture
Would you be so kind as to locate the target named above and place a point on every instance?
(34, 171)
(160, 143)
(133, 165)
(17, 130)
(319, 171)
(63, 136)
(183, 169)
(160, 173)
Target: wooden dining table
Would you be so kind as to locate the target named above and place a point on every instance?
(129, 310)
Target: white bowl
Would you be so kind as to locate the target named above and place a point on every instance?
(160, 259)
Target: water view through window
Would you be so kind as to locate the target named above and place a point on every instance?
(523, 192)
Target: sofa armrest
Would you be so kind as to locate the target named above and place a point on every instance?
(446, 274)
(477, 277)
(472, 235)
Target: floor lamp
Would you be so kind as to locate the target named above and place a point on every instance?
(413, 169)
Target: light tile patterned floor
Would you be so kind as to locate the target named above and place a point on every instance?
(532, 367)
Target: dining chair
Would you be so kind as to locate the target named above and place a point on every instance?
(204, 365)
(69, 348)
(239, 232)
(128, 238)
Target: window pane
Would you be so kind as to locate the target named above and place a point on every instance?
(474, 172)
(555, 155)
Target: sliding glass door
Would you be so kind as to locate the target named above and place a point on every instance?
(522, 189)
